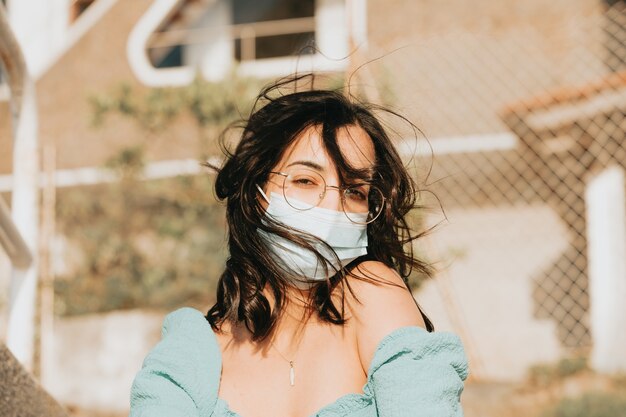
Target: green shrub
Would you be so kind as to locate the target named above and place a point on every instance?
(570, 366)
(593, 404)
(546, 374)
(156, 244)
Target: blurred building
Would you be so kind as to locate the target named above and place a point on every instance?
(159, 43)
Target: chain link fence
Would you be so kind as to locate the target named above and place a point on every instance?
(519, 119)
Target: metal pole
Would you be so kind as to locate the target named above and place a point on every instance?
(46, 273)
(606, 234)
(25, 195)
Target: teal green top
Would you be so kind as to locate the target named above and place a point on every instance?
(413, 373)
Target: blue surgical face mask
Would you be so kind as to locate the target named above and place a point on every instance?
(347, 239)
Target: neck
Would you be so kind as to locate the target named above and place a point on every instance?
(295, 317)
(290, 328)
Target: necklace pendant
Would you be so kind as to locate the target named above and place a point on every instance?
(292, 374)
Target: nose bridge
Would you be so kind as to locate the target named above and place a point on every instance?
(332, 201)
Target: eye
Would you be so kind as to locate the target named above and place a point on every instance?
(357, 193)
(303, 181)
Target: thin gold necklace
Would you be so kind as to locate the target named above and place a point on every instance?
(292, 371)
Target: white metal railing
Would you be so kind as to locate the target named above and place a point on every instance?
(11, 239)
(20, 230)
(147, 43)
(96, 175)
(246, 32)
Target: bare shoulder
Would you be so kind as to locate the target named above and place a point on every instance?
(381, 308)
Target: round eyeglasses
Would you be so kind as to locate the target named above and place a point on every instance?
(304, 189)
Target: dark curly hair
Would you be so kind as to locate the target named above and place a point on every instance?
(276, 120)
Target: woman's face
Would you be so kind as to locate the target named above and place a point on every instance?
(308, 152)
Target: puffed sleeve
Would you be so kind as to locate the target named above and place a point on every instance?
(180, 376)
(419, 374)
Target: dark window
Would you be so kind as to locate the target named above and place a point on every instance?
(167, 58)
(292, 41)
(250, 11)
(280, 45)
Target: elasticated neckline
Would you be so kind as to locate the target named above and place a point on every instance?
(347, 402)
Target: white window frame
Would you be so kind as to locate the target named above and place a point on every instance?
(330, 25)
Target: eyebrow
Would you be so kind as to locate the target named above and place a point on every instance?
(309, 164)
(368, 176)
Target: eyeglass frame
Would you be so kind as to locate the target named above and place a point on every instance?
(340, 188)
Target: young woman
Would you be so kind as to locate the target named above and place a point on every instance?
(314, 316)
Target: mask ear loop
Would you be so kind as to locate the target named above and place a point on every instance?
(263, 193)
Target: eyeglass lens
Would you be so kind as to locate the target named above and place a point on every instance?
(304, 189)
